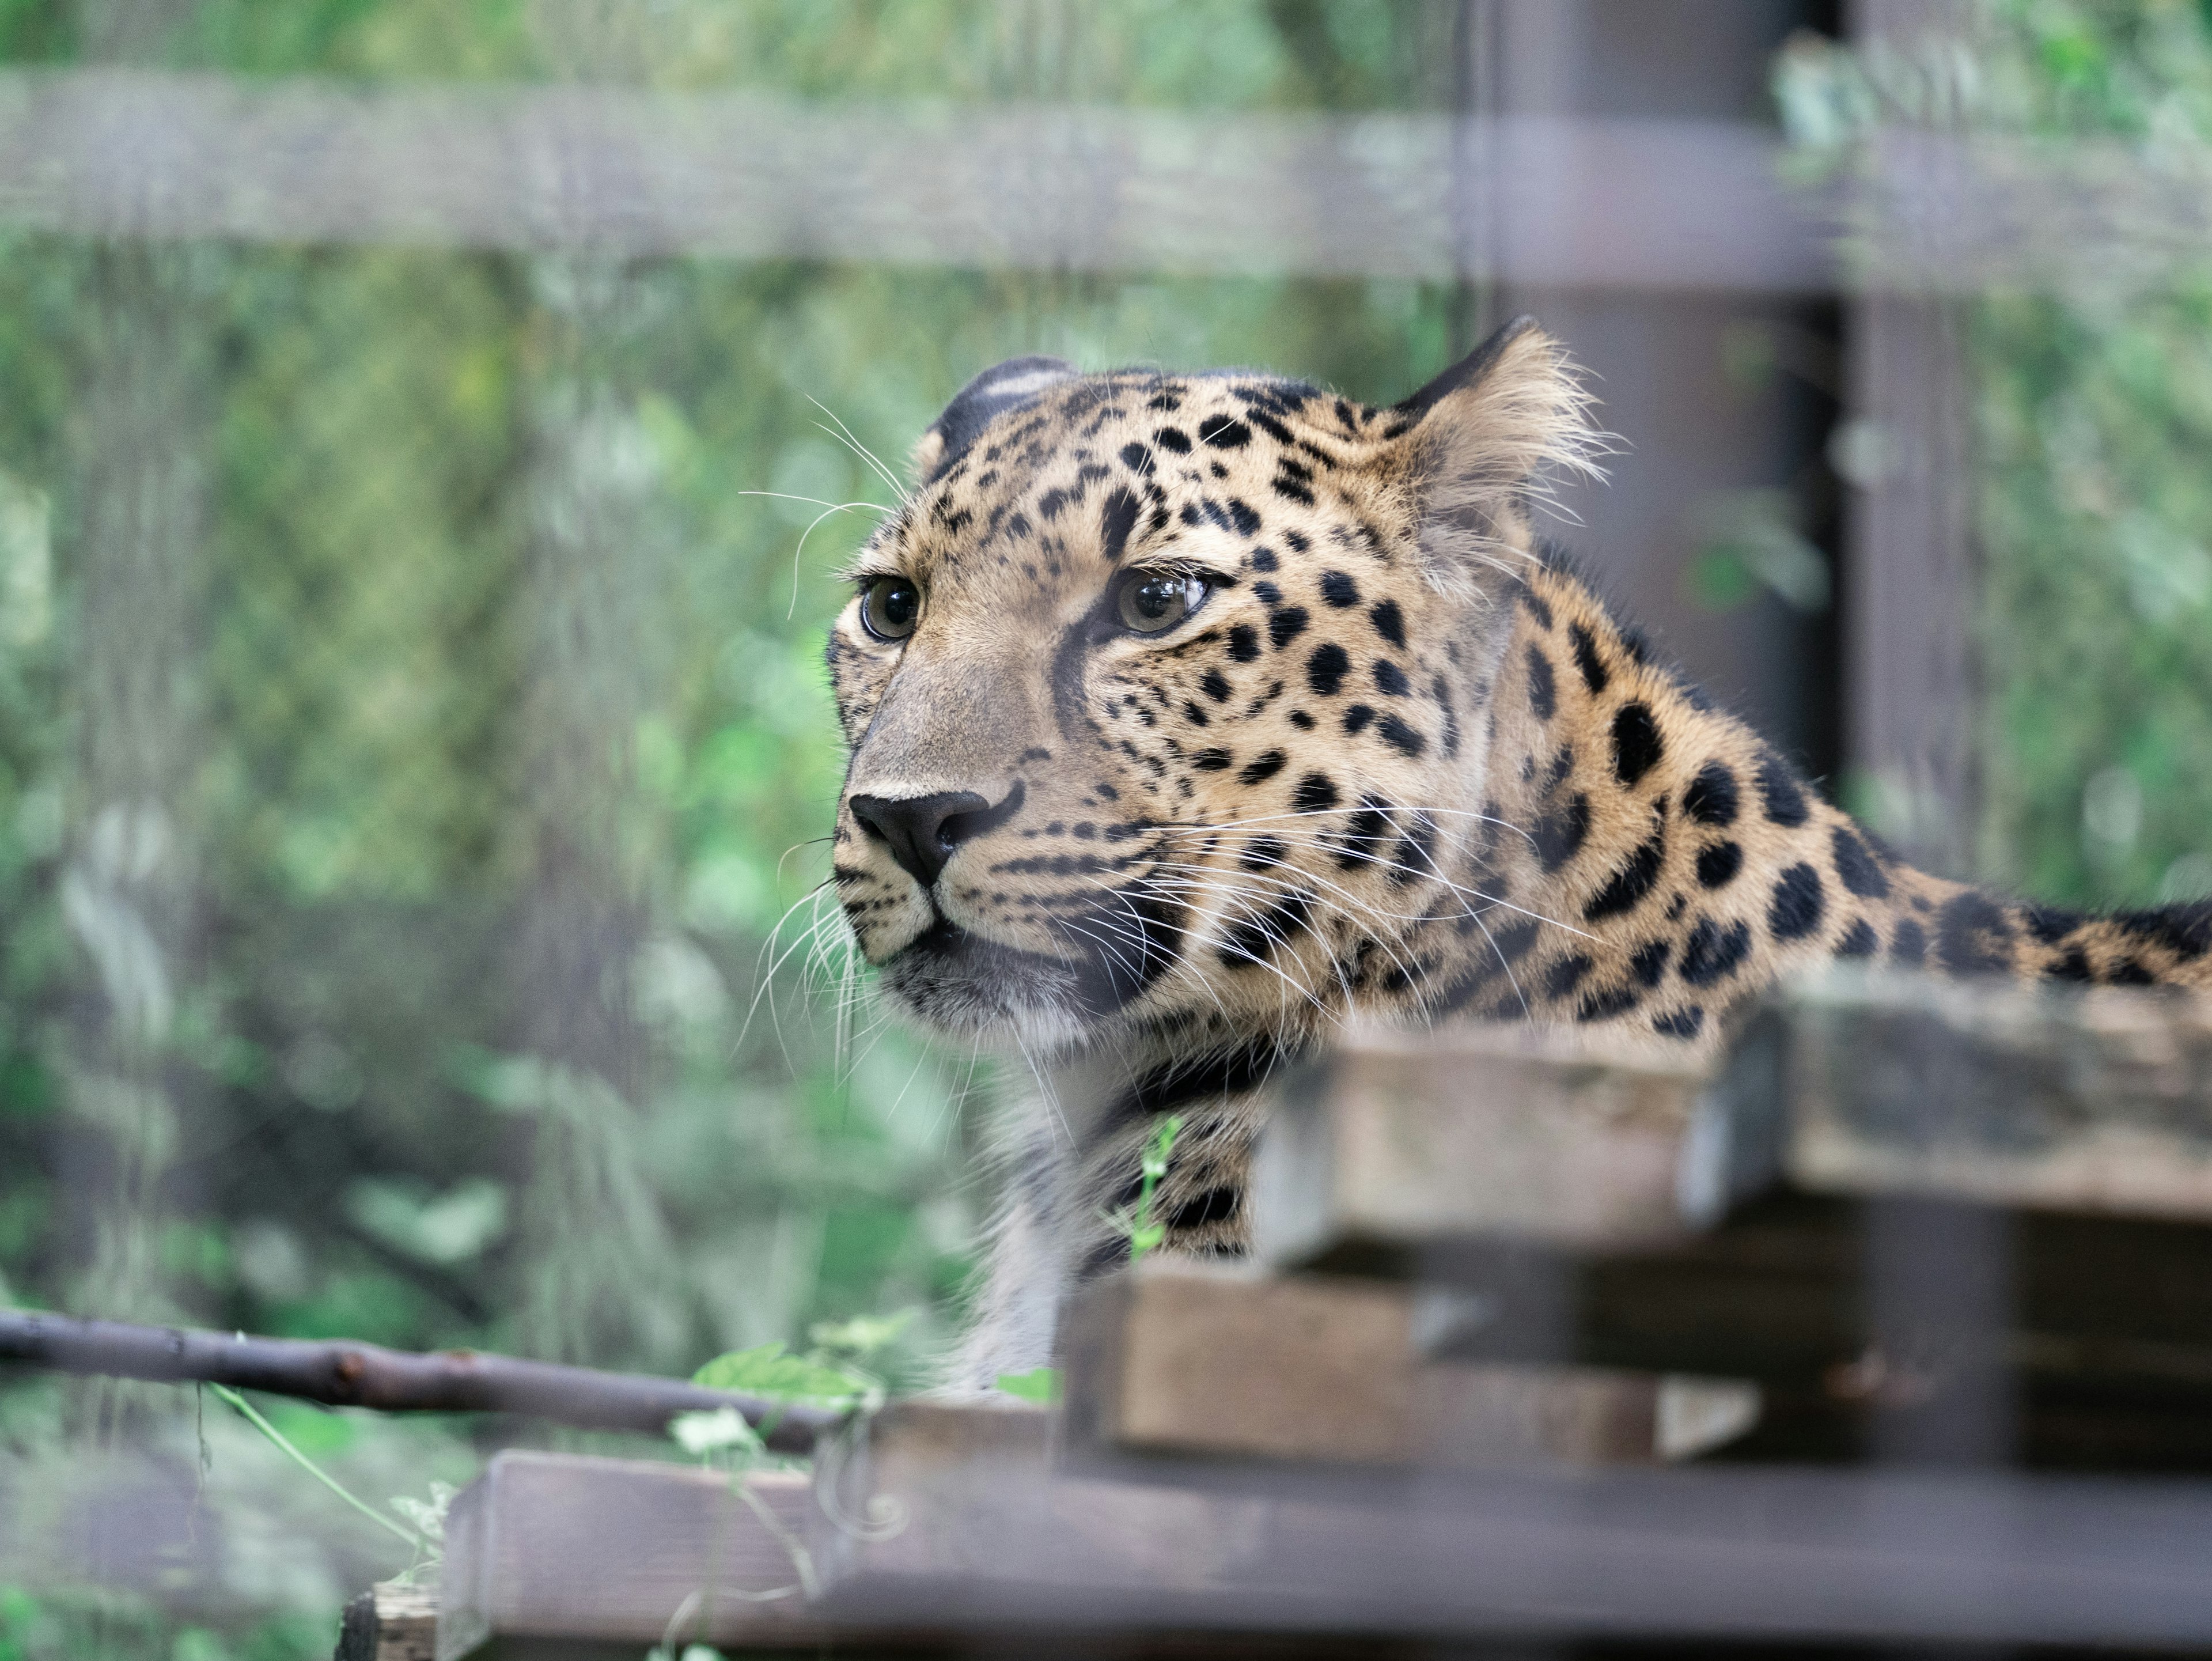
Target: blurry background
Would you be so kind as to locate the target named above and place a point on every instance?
(428, 431)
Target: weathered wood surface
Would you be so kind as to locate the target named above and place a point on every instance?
(997, 1542)
(1400, 1146)
(950, 1527)
(1171, 1357)
(2096, 1102)
(392, 1621)
(551, 1553)
(1394, 1141)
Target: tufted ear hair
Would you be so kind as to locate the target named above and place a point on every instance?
(1484, 436)
(1008, 385)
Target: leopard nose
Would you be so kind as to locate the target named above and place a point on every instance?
(921, 831)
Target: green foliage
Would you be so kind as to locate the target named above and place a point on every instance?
(2091, 414)
(767, 1372)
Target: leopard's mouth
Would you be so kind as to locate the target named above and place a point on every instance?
(962, 982)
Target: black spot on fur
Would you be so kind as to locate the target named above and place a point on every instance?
(1246, 944)
(1389, 621)
(1718, 865)
(1856, 866)
(1629, 885)
(1604, 1005)
(1543, 693)
(1594, 674)
(1287, 626)
(1244, 643)
(1538, 608)
(1215, 684)
(1567, 975)
(1390, 679)
(1338, 589)
(1636, 745)
(1117, 518)
(1172, 438)
(1681, 1023)
(1415, 856)
(1649, 965)
(1399, 736)
(1327, 668)
(1357, 717)
(2050, 925)
(1262, 854)
(1242, 517)
(1215, 1205)
(1212, 761)
(1136, 458)
(1316, 794)
(2074, 966)
(1263, 559)
(1799, 904)
(1711, 798)
(1260, 769)
(2130, 972)
(1779, 792)
(2183, 930)
(1558, 836)
(1712, 952)
(1223, 432)
(1363, 836)
(1860, 941)
(1909, 946)
(1970, 934)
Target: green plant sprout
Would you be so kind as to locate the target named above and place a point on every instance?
(426, 1539)
(1039, 1384)
(1137, 1222)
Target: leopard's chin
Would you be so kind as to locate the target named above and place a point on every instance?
(963, 985)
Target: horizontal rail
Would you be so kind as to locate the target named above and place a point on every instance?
(1633, 204)
(340, 1373)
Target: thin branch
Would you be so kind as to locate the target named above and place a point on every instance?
(340, 1373)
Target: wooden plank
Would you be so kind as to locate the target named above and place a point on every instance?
(997, 1545)
(547, 1551)
(1178, 1359)
(2097, 1102)
(394, 1621)
(943, 1528)
(1986, 1092)
(1395, 1143)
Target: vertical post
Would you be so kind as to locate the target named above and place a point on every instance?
(1910, 585)
(595, 1244)
(128, 890)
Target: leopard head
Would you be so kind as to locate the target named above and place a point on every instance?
(1165, 694)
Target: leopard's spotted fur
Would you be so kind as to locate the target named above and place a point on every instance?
(1399, 761)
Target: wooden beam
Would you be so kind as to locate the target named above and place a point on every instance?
(1177, 1359)
(547, 1549)
(1403, 1147)
(1001, 1545)
(1396, 1143)
(2097, 1103)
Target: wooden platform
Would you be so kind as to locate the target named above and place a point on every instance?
(1897, 1328)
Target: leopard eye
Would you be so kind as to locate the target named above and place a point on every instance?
(888, 606)
(1153, 602)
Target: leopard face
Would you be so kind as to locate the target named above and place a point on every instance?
(1165, 694)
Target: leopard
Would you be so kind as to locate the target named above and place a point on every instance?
(1190, 716)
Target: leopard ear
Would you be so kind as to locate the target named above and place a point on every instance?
(1008, 385)
(1485, 438)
